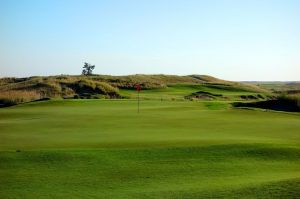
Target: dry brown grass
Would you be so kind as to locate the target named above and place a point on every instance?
(16, 96)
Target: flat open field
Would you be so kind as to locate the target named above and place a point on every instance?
(171, 149)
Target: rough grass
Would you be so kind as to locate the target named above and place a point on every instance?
(104, 149)
(8, 98)
(59, 87)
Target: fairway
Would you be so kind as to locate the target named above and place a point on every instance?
(171, 149)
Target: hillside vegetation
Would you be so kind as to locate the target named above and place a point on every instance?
(19, 90)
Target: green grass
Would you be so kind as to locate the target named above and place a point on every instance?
(179, 91)
(172, 149)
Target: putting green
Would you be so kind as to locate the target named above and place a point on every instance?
(171, 149)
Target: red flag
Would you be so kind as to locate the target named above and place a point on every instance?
(138, 87)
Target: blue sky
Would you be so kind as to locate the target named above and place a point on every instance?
(232, 39)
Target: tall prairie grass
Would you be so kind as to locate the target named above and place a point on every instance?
(12, 97)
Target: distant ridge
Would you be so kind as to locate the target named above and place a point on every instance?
(148, 81)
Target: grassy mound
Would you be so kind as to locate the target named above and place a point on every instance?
(103, 86)
(53, 87)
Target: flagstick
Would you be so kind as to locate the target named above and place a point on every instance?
(138, 89)
(138, 101)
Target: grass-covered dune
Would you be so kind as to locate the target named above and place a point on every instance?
(19, 90)
(171, 149)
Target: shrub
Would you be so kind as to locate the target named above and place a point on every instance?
(86, 84)
(49, 88)
(85, 88)
(67, 92)
(105, 88)
(292, 99)
(282, 103)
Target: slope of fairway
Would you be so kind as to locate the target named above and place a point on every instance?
(105, 149)
(179, 91)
